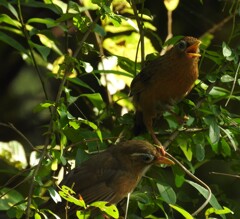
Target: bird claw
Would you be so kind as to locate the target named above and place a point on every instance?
(162, 150)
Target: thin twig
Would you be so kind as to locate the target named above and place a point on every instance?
(234, 84)
(225, 174)
(141, 30)
(84, 38)
(11, 126)
(197, 180)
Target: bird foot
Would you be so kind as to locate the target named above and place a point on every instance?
(159, 144)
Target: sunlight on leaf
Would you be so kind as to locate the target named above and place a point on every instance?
(111, 210)
(182, 211)
(225, 210)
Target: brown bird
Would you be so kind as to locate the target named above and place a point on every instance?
(163, 82)
(112, 174)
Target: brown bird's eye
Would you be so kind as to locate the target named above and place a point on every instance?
(147, 158)
(182, 45)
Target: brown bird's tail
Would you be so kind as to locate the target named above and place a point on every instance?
(139, 126)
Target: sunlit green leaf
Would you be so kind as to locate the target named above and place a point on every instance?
(13, 153)
(210, 211)
(54, 195)
(227, 78)
(182, 211)
(10, 198)
(111, 210)
(226, 50)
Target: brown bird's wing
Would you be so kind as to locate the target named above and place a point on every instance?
(91, 179)
(143, 78)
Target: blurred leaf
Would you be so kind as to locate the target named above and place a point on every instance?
(204, 192)
(199, 152)
(67, 194)
(93, 126)
(80, 83)
(7, 5)
(227, 78)
(111, 210)
(171, 5)
(37, 216)
(167, 193)
(172, 41)
(14, 154)
(182, 211)
(12, 42)
(49, 43)
(226, 50)
(4, 18)
(210, 211)
(48, 21)
(96, 100)
(43, 50)
(230, 136)
(179, 175)
(11, 198)
(214, 130)
(187, 150)
(225, 148)
(54, 195)
(81, 22)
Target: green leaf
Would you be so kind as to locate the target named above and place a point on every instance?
(81, 22)
(227, 78)
(10, 8)
(111, 210)
(225, 148)
(226, 50)
(179, 175)
(93, 126)
(230, 136)
(214, 130)
(182, 211)
(13, 153)
(199, 152)
(12, 42)
(80, 83)
(187, 150)
(49, 43)
(172, 41)
(96, 100)
(225, 210)
(48, 21)
(66, 193)
(54, 195)
(205, 193)
(8, 20)
(10, 198)
(43, 50)
(167, 193)
(37, 216)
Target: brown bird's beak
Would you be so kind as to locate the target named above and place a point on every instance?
(164, 160)
(193, 50)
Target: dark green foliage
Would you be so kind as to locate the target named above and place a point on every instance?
(85, 56)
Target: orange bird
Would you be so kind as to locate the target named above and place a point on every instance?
(163, 82)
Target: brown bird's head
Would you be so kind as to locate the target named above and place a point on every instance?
(138, 156)
(187, 47)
